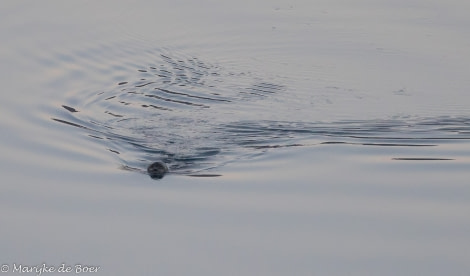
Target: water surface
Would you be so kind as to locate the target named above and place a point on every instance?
(340, 132)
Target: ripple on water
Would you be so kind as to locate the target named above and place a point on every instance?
(196, 116)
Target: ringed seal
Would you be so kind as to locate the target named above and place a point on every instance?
(157, 170)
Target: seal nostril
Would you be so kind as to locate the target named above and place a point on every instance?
(157, 170)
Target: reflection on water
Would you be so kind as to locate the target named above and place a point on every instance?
(346, 125)
(175, 111)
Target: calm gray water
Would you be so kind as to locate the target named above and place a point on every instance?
(337, 136)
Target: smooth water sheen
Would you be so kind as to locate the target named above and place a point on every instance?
(301, 138)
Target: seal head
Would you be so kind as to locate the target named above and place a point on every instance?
(157, 170)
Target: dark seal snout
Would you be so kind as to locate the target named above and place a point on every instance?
(157, 170)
